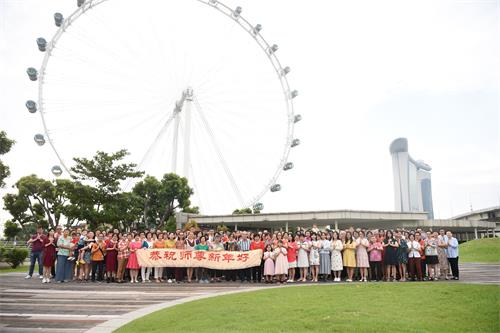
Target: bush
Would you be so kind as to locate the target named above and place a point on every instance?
(13, 256)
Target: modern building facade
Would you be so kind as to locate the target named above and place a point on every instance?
(412, 181)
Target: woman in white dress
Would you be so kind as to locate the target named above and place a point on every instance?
(314, 257)
(303, 257)
(337, 264)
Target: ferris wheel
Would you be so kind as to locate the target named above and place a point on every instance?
(190, 87)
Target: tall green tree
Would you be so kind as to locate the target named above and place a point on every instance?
(5, 146)
(98, 198)
(162, 198)
(38, 200)
(11, 230)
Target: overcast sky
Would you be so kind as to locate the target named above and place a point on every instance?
(367, 72)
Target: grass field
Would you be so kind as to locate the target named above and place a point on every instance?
(373, 307)
(481, 250)
(23, 269)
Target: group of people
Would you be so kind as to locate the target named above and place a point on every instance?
(306, 255)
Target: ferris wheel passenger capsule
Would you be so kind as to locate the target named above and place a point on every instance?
(257, 28)
(42, 44)
(288, 166)
(39, 139)
(32, 73)
(273, 49)
(56, 170)
(258, 206)
(58, 18)
(285, 71)
(237, 11)
(213, 2)
(79, 3)
(294, 94)
(297, 118)
(276, 188)
(295, 142)
(31, 106)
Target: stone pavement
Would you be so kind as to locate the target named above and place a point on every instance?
(30, 306)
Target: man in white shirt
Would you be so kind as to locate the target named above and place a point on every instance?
(452, 254)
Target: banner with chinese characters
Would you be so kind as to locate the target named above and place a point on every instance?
(207, 259)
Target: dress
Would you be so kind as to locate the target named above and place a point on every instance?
(132, 259)
(314, 253)
(111, 261)
(325, 263)
(442, 257)
(337, 264)
(268, 263)
(49, 254)
(390, 255)
(402, 252)
(350, 254)
(281, 261)
(302, 257)
(361, 253)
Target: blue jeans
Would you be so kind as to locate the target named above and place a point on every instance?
(62, 267)
(34, 257)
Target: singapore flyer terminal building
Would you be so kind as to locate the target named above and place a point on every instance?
(342, 219)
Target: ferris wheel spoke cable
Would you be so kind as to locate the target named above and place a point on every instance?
(219, 154)
(158, 137)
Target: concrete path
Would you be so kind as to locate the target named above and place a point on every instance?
(30, 306)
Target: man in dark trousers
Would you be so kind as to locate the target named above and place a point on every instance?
(452, 254)
(36, 242)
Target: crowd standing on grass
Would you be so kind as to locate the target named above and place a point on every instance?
(312, 255)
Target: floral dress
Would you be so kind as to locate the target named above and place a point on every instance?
(402, 252)
(336, 258)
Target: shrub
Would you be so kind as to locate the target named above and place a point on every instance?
(14, 256)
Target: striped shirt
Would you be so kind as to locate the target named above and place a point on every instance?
(244, 245)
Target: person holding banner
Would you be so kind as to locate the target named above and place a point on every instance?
(216, 245)
(180, 244)
(257, 271)
(159, 244)
(202, 246)
(190, 245)
(231, 245)
(170, 244)
(244, 245)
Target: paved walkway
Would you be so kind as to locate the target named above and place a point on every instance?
(29, 305)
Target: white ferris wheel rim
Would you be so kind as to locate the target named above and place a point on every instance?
(235, 15)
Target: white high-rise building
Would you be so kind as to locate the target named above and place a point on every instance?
(412, 180)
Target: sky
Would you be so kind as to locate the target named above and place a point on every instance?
(367, 73)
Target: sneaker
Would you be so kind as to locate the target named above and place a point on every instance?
(27, 276)
(40, 276)
(169, 281)
(43, 280)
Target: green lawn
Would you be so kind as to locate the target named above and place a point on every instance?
(480, 250)
(373, 307)
(23, 269)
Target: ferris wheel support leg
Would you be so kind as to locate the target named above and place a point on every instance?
(187, 132)
(175, 142)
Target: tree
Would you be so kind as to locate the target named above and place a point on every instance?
(97, 198)
(5, 146)
(38, 201)
(242, 211)
(11, 230)
(162, 198)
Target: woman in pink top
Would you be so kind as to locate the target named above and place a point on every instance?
(132, 263)
(375, 256)
(292, 257)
